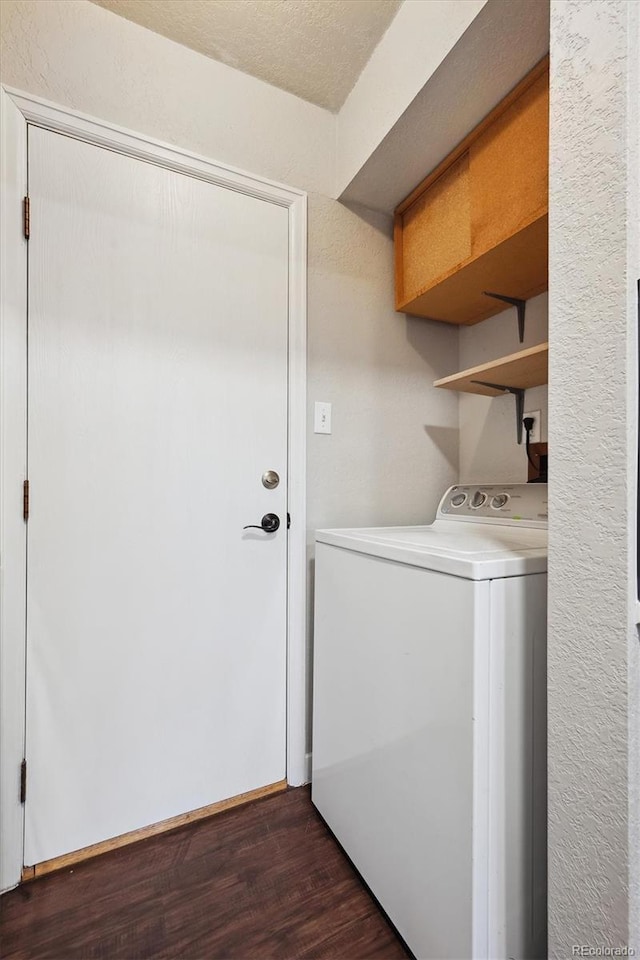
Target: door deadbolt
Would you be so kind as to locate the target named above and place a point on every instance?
(270, 479)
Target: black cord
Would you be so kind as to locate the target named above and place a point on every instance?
(528, 426)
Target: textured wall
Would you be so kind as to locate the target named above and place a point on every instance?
(394, 446)
(488, 448)
(79, 55)
(257, 38)
(395, 437)
(593, 648)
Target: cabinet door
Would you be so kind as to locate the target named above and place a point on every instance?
(508, 169)
(436, 234)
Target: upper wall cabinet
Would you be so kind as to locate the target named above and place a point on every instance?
(479, 221)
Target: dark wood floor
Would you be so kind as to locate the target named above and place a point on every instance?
(262, 881)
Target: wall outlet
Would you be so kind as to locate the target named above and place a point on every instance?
(322, 417)
(535, 434)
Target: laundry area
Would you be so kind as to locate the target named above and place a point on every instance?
(319, 512)
(429, 700)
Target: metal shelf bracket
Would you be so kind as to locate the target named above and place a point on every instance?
(518, 393)
(515, 302)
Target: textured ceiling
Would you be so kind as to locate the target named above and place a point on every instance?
(315, 49)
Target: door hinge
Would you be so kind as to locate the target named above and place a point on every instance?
(23, 781)
(25, 500)
(288, 520)
(26, 217)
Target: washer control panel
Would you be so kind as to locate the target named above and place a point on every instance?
(524, 503)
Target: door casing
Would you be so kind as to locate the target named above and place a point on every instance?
(17, 111)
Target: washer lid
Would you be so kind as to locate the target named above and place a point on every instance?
(473, 551)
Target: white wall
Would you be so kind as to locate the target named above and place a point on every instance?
(488, 448)
(395, 437)
(419, 38)
(393, 447)
(77, 54)
(594, 714)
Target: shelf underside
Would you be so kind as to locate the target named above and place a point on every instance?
(521, 370)
(517, 267)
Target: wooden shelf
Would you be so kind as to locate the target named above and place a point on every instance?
(522, 370)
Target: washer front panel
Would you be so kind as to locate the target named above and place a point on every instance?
(517, 503)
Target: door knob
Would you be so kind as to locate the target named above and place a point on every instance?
(269, 523)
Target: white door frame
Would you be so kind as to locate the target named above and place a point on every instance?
(17, 110)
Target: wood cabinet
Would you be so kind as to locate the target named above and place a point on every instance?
(479, 221)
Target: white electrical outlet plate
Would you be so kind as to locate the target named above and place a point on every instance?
(534, 436)
(322, 417)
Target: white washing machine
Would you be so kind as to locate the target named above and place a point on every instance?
(429, 718)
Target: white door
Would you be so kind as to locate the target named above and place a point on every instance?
(156, 625)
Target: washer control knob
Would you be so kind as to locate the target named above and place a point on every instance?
(458, 500)
(478, 499)
(500, 500)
